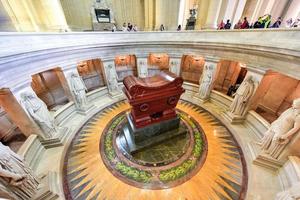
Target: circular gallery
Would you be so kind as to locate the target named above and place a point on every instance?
(95, 108)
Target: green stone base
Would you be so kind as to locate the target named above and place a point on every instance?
(133, 140)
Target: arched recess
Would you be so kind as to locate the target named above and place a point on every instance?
(91, 72)
(230, 75)
(51, 86)
(125, 66)
(275, 94)
(158, 62)
(191, 68)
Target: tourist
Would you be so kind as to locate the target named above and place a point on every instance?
(228, 24)
(266, 20)
(114, 28)
(296, 23)
(124, 27)
(129, 27)
(289, 23)
(258, 23)
(179, 27)
(161, 28)
(245, 24)
(135, 28)
(238, 25)
(277, 23)
(221, 25)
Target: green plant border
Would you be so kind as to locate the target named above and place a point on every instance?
(184, 168)
(129, 172)
(145, 176)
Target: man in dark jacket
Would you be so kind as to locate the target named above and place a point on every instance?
(228, 24)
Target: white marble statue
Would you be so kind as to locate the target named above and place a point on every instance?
(40, 114)
(143, 69)
(206, 81)
(79, 90)
(112, 79)
(15, 176)
(282, 130)
(242, 97)
(174, 68)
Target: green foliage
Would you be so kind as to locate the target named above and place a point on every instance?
(197, 150)
(133, 173)
(177, 172)
(108, 147)
(108, 142)
(188, 165)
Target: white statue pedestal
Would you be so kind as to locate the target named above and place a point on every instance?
(289, 176)
(116, 95)
(292, 193)
(58, 139)
(262, 159)
(86, 110)
(234, 119)
(201, 100)
(48, 187)
(102, 26)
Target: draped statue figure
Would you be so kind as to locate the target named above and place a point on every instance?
(143, 68)
(242, 97)
(282, 130)
(112, 79)
(174, 69)
(206, 81)
(16, 177)
(79, 90)
(40, 114)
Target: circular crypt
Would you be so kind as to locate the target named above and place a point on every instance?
(198, 161)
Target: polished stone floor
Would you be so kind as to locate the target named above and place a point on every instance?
(164, 151)
(90, 174)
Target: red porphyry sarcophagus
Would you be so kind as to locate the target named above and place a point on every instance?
(153, 99)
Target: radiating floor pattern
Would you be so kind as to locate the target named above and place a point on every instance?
(222, 176)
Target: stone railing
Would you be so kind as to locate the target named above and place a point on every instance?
(23, 54)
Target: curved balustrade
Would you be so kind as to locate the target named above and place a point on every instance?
(23, 55)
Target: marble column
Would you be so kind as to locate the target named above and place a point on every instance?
(30, 15)
(202, 13)
(175, 66)
(257, 10)
(230, 10)
(142, 67)
(224, 6)
(207, 79)
(149, 7)
(213, 13)
(17, 114)
(237, 15)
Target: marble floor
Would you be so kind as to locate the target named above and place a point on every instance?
(221, 174)
(262, 183)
